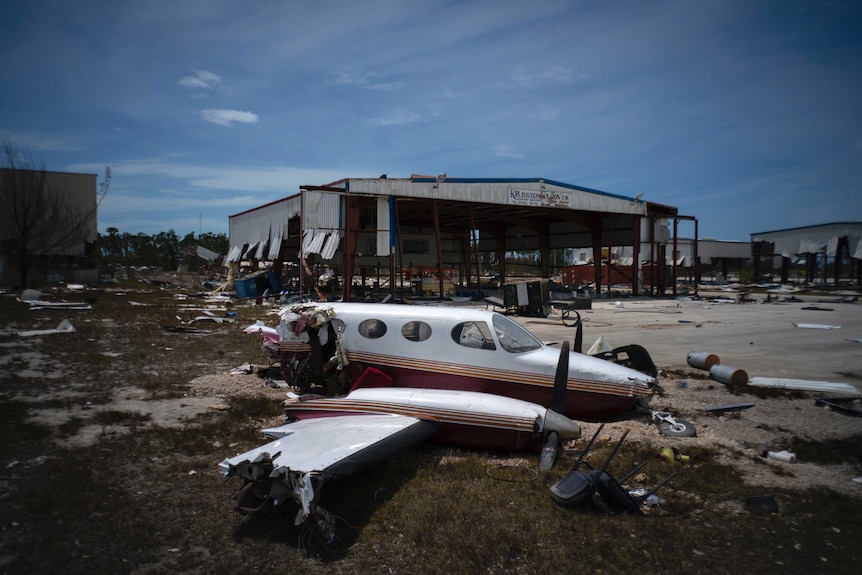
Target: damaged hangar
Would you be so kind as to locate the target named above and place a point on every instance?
(828, 253)
(449, 233)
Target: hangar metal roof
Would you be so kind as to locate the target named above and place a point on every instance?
(511, 192)
(811, 239)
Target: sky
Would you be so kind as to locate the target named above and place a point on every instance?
(744, 114)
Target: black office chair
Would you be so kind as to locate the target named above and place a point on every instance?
(581, 487)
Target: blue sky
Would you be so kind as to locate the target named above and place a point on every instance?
(745, 114)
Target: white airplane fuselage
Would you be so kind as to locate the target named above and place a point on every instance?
(459, 348)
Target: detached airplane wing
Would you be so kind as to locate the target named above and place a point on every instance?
(305, 453)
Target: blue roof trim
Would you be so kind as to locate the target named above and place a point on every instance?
(808, 227)
(522, 181)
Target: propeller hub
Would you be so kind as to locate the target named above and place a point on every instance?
(565, 427)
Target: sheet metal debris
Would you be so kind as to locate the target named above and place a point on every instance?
(803, 385)
(729, 408)
(243, 369)
(816, 326)
(64, 327)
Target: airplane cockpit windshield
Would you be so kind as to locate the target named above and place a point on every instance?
(512, 337)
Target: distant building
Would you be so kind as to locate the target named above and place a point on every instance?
(827, 253)
(76, 193)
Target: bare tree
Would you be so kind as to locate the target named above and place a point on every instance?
(36, 219)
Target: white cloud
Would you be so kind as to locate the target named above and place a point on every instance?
(545, 114)
(365, 81)
(505, 151)
(275, 179)
(550, 75)
(228, 117)
(397, 118)
(200, 80)
(35, 141)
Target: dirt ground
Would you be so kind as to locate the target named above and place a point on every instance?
(121, 360)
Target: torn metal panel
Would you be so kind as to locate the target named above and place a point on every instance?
(274, 247)
(312, 241)
(72, 305)
(206, 254)
(294, 466)
(234, 254)
(331, 245)
(261, 250)
(383, 232)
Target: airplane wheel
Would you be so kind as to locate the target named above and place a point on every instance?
(681, 429)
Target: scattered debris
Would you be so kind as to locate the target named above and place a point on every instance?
(29, 295)
(276, 384)
(34, 299)
(70, 305)
(212, 318)
(243, 369)
(803, 385)
(64, 327)
(673, 455)
(784, 455)
(816, 326)
(721, 300)
(186, 329)
(767, 502)
(846, 405)
(729, 408)
(816, 308)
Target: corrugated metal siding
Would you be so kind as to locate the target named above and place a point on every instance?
(812, 239)
(321, 210)
(321, 223)
(266, 224)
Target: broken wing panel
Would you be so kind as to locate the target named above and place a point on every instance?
(333, 445)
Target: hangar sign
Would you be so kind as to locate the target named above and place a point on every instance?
(539, 198)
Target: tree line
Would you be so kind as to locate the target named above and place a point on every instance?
(164, 249)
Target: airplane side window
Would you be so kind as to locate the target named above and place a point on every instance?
(416, 331)
(372, 328)
(473, 334)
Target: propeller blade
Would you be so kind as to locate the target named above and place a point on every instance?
(578, 345)
(549, 452)
(561, 378)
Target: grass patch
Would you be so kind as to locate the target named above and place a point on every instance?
(833, 451)
(125, 418)
(15, 429)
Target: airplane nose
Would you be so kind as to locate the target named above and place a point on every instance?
(565, 427)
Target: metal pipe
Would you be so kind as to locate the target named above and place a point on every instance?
(728, 375)
(702, 360)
